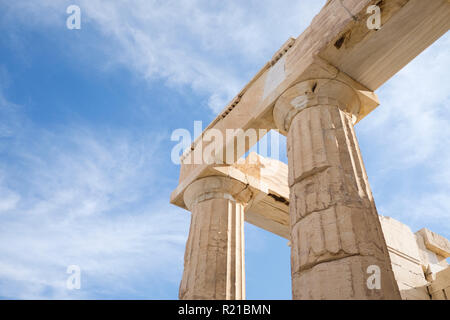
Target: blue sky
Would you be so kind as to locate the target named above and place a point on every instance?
(85, 123)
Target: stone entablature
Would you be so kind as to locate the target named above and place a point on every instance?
(314, 90)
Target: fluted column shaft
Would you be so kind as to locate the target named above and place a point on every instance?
(214, 259)
(335, 232)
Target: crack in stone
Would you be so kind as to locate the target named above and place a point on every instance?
(310, 173)
(348, 11)
(309, 266)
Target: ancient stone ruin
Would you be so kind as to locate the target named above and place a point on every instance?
(314, 90)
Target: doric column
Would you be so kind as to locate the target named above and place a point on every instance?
(214, 258)
(335, 232)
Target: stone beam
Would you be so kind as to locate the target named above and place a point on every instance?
(267, 180)
(435, 243)
(372, 57)
(337, 45)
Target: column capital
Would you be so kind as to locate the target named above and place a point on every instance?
(311, 93)
(216, 187)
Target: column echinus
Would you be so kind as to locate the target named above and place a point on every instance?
(214, 266)
(335, 232)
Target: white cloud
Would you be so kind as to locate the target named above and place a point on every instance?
(213, 47)
(114, 253)
(93, 199)
(409, 137)
(415, 105)
(80, 197)
(8, 200)
(76, 196)
(198, 43)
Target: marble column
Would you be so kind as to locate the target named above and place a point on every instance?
(214, 266)
(337, 241)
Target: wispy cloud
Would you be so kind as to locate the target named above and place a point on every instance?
(75, 196)
(409, 139)
(79, 195)
(212, 47)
